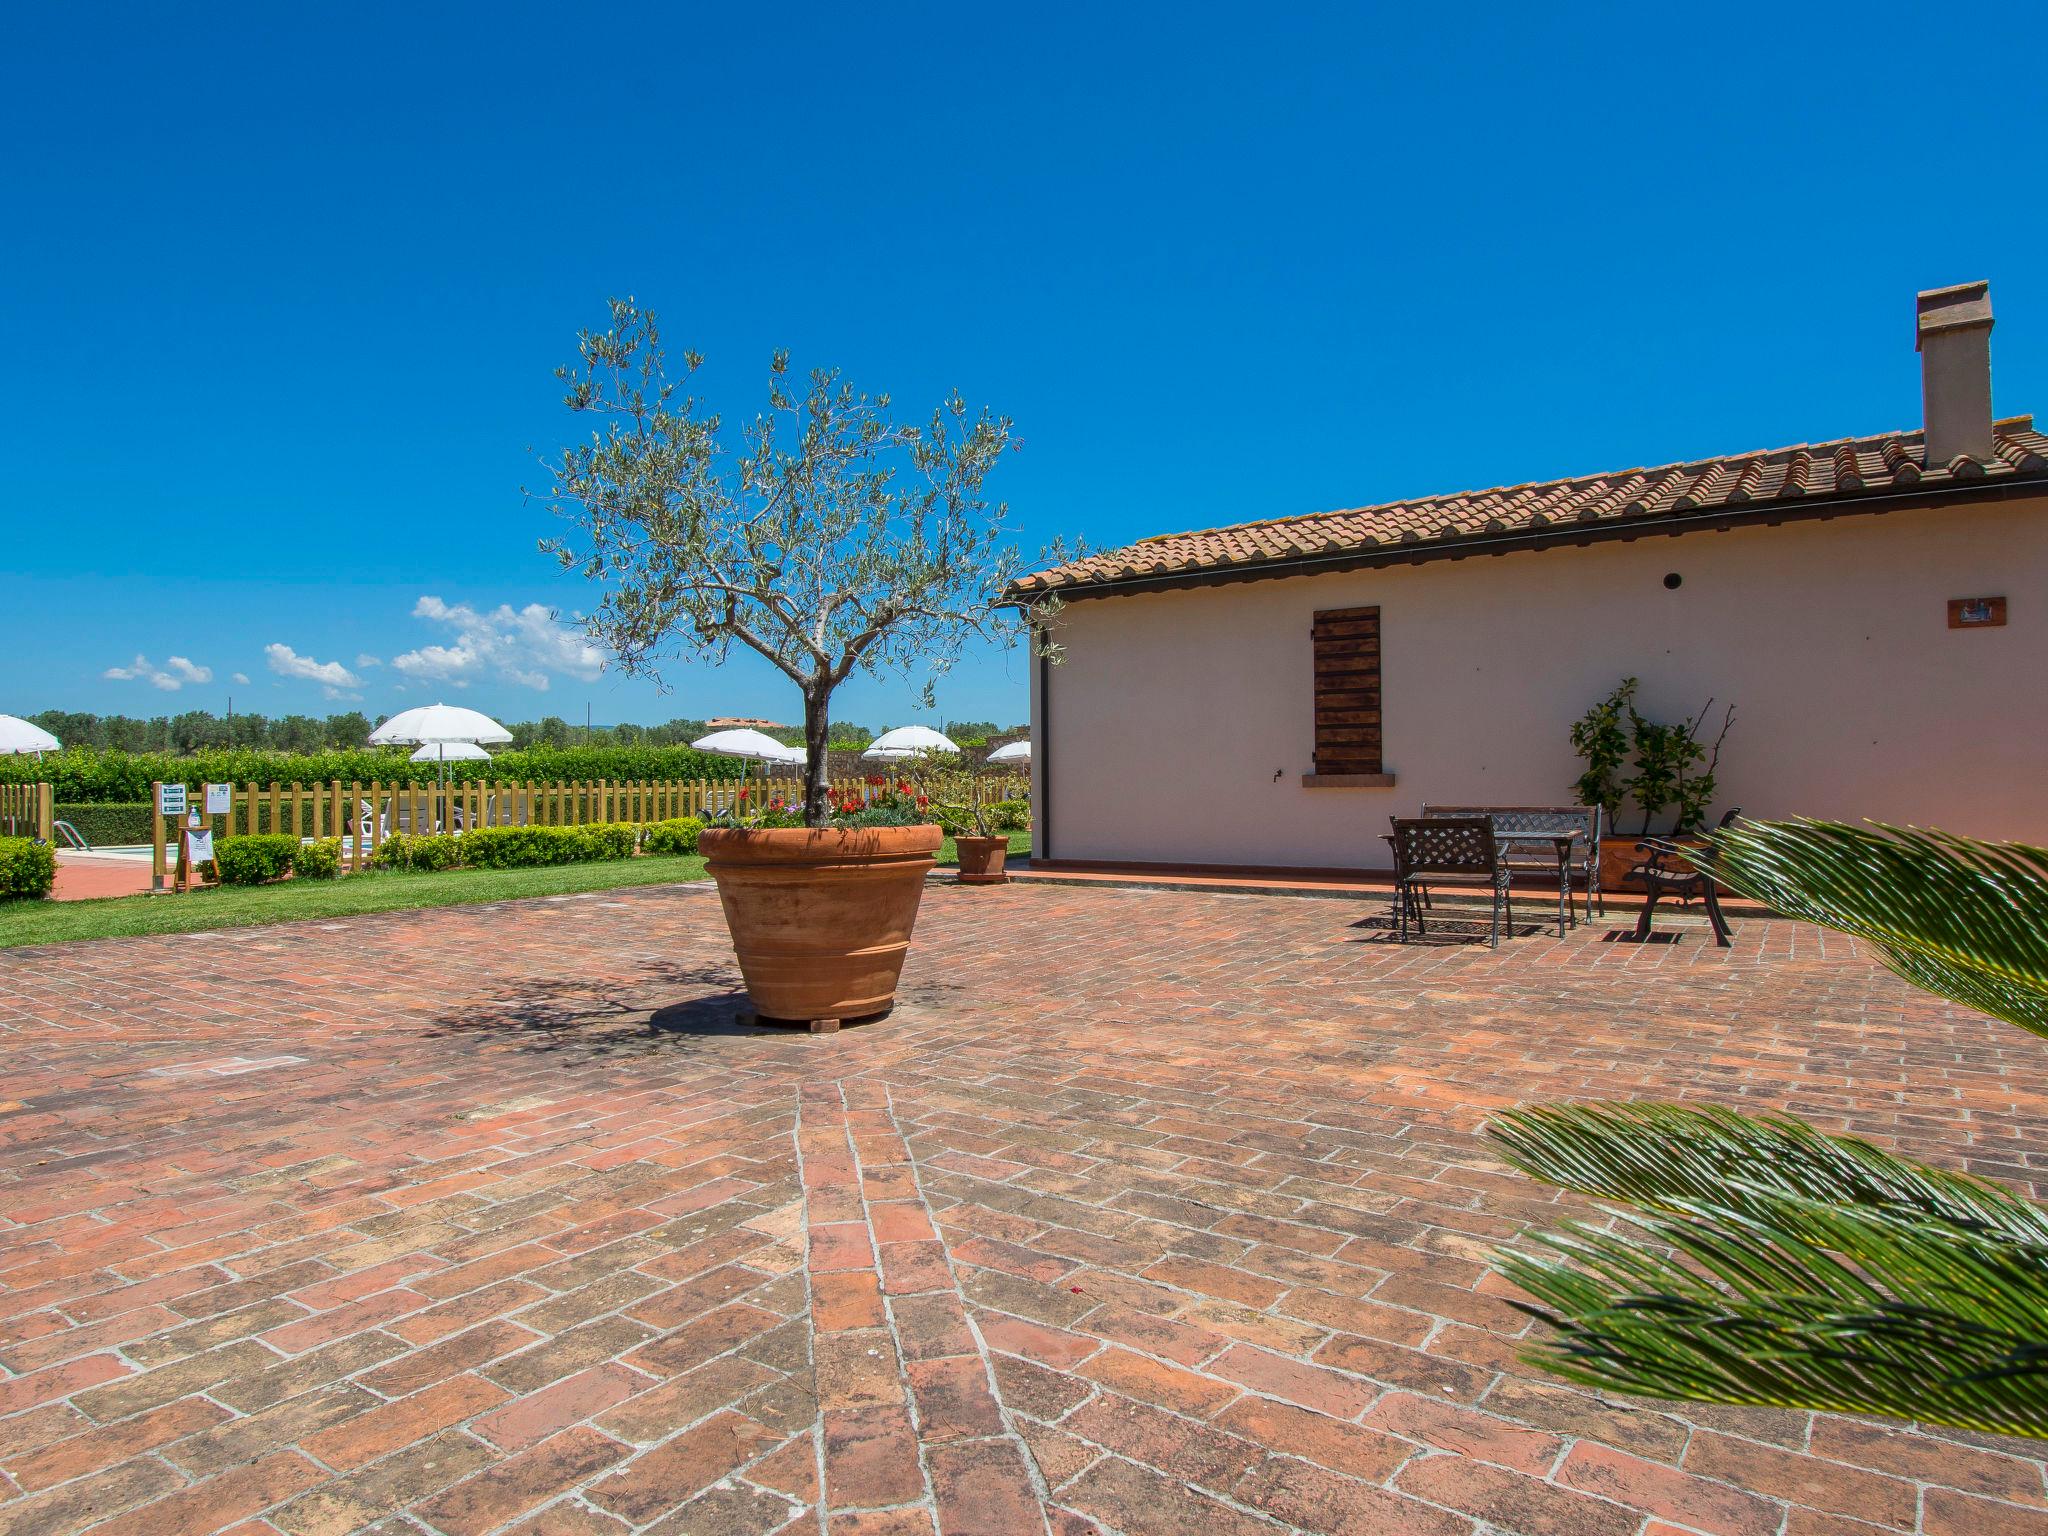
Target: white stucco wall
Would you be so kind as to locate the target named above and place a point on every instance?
(1181, 723)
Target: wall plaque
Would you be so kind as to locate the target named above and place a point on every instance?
(1976, 612)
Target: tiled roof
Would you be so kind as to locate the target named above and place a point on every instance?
(1793, 478)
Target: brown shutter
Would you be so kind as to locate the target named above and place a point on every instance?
(1347, 658)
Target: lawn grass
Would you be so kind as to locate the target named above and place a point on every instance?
(113, 917)
(54, 922)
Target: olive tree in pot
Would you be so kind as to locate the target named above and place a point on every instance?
(951, 785)
(826, 537)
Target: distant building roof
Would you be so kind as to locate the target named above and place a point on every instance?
(734, 722)
(1771, 485)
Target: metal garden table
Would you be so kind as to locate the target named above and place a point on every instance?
(1562, 842)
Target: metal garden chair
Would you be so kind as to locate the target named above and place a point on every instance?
(1439, 850)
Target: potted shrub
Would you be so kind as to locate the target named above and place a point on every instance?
(981, 851)
(831, 539)
(1674, 769)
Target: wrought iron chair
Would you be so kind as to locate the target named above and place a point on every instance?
(1661, 877)
(1447, 850)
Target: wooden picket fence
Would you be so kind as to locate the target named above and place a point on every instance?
(28, 810)
(364, 815)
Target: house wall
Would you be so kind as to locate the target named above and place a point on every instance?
(1180, 725)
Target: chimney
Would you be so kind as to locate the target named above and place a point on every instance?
(1955, 372)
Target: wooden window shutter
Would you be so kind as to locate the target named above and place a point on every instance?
(1347, 660)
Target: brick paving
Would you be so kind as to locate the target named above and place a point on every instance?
(1147, 1212)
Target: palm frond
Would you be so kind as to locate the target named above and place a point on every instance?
(1796, 1303)
(1668, 1156)
(1967, 920)
(1770, 1264)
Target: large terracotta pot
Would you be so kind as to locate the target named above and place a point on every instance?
(821, 916)
(981, 859)
(1618, 856)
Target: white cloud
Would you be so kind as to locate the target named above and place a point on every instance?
(522, 645)
(241, 677)
(335, 680)
(365, 659)
(174, 674)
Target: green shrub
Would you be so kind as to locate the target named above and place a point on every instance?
(27, 867)
(603, 841)
(518, 847)
(676, 836)
(1010, 816)
(531, 847)
(320, 860)
(509, 847)
(253, 860)
(122, 823)
(421, 851)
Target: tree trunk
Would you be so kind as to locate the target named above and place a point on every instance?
(817, 726)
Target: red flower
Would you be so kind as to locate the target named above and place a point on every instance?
(743, 794)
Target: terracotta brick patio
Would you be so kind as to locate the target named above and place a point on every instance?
(1146, 1212)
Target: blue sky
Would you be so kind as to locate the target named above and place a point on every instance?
(281, 294)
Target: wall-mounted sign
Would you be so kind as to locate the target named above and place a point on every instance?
(170, 799)
(219, 799)
(1976, 612)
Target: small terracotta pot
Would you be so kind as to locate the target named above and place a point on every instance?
(821, 916)
(981, 859)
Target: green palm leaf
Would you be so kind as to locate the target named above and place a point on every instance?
(1785, 1268)
(1838, 1308)
(1967, 920)
(1765, 1263)
(1671, 1155)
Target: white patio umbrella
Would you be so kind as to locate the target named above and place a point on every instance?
(451, 752)
(1015, 752)
(750, 744)
(908, 741)
(439, 722)
(17, 736)
(439, 725)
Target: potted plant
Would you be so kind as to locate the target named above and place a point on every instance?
(830, 539)
(1674, 770)
(955, 790)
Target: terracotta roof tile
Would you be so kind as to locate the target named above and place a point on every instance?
(1803, 473)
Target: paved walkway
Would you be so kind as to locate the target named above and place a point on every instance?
(1147, 1212)
(82, 876)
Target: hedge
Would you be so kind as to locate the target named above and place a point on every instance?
(509, 847)
(318, 860)
(27, 867)
(678, 835)
(82, 775)
(418, 851)
(120, 823)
